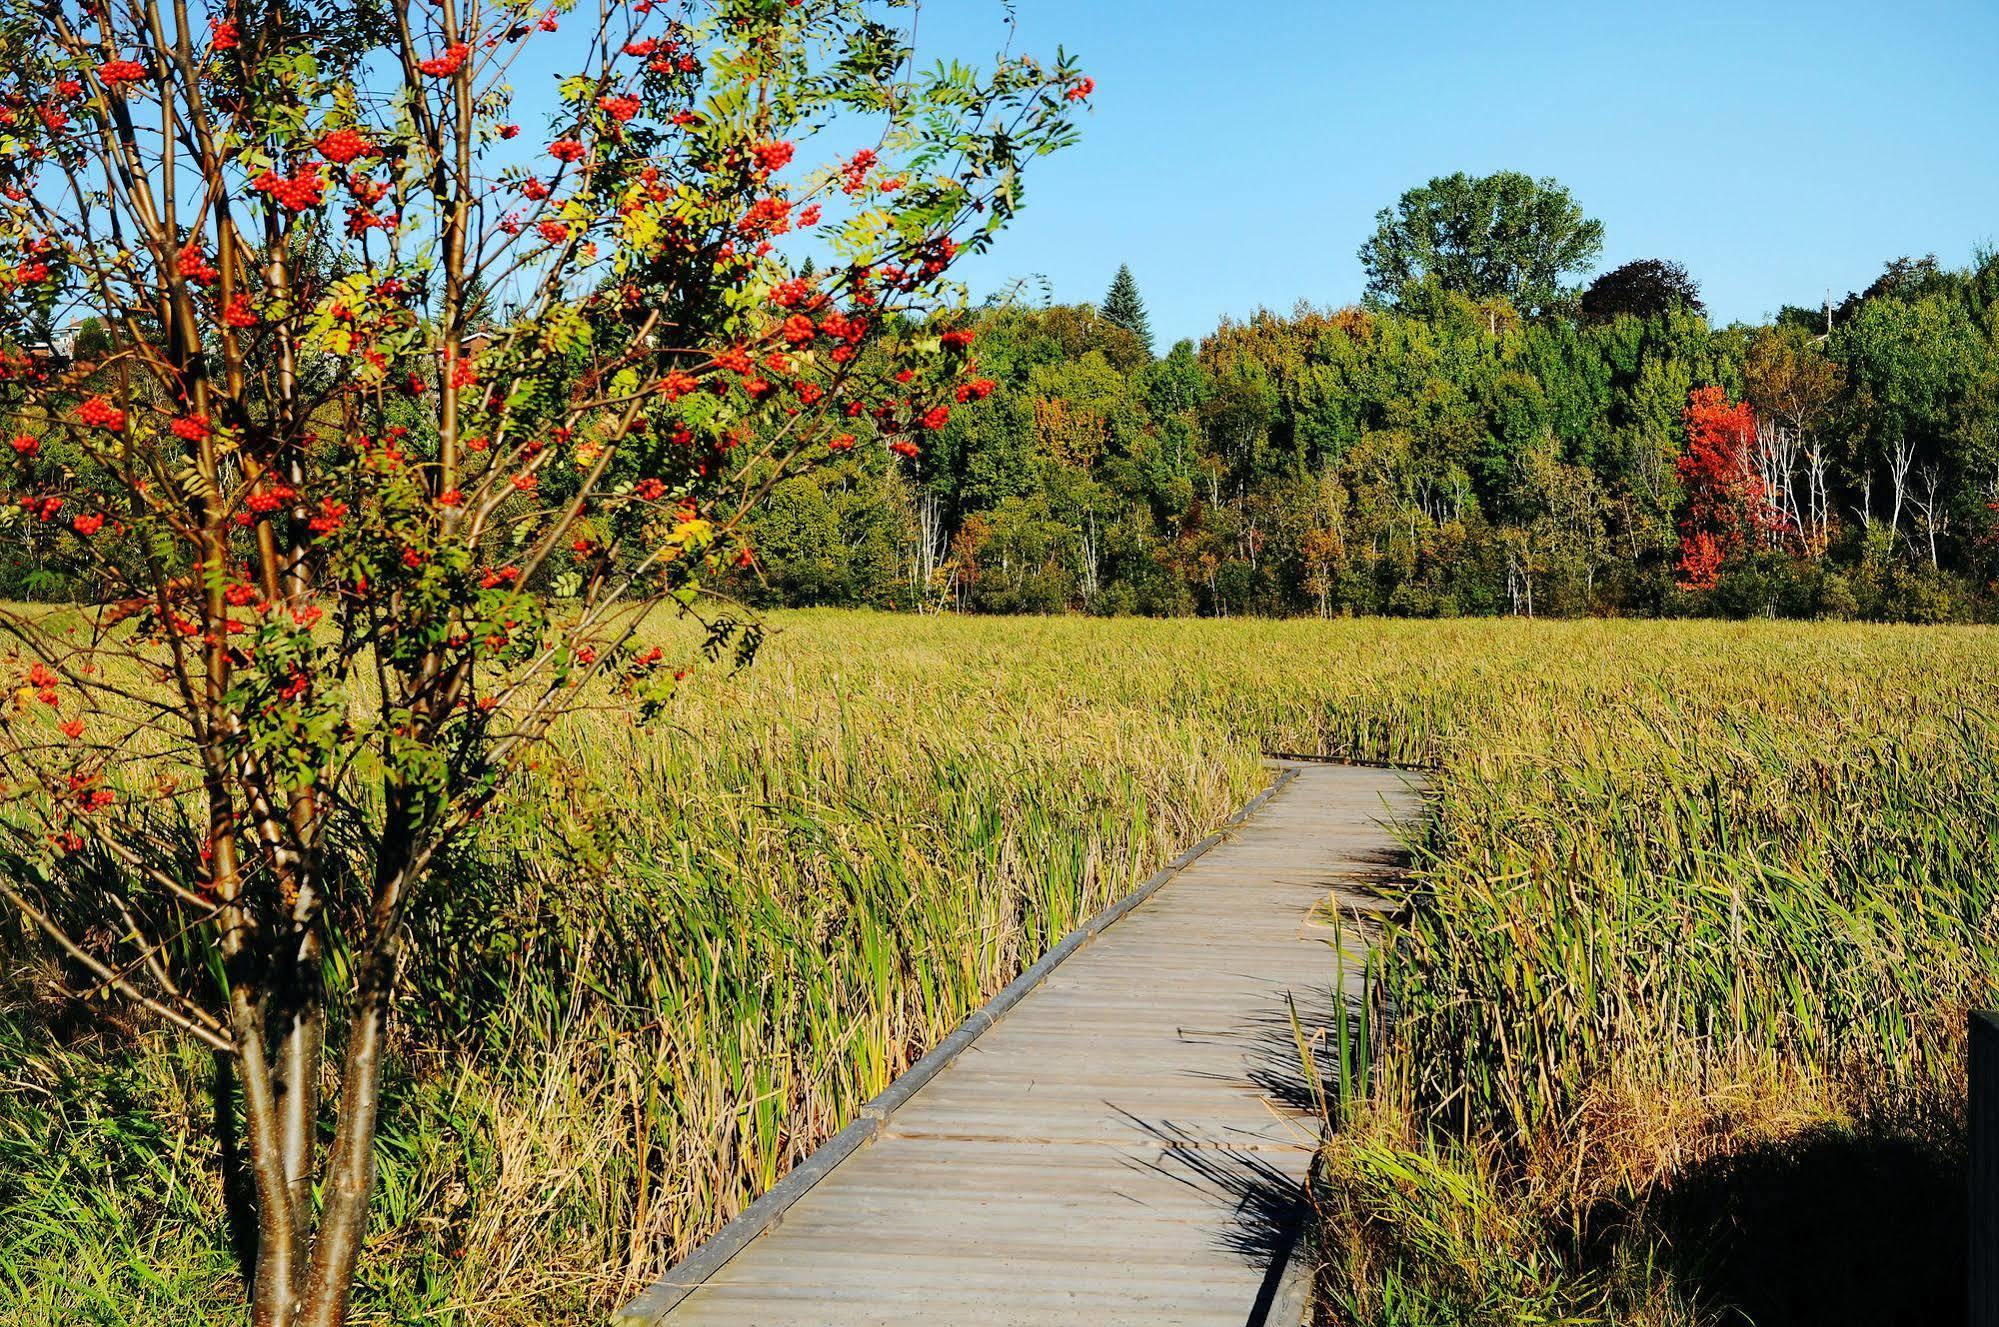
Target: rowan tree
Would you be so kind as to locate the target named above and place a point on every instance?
(405, 419)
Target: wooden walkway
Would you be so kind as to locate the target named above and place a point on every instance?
(1127, 1143)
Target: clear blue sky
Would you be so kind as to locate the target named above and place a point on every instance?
(1238, 153)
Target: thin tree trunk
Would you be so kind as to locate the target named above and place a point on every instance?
(350, 1167)
(298, 1067)
(239, 1202)
(1898, 473)
(274, 1287)
(350, 1171)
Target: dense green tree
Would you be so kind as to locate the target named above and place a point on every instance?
(1645, 288)
(91, 342)
(1909, 363)
(799, 543)
(1500, 236)
(1904, 279)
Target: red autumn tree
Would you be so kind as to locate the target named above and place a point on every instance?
(1725, 500)
(406, 421)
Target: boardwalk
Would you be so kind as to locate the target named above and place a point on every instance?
(1127, 1143)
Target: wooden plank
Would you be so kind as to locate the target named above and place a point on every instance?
(1122, 1139)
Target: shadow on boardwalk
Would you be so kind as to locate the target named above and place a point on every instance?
(1268, 1208)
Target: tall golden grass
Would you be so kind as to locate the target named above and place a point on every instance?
(1669, 862)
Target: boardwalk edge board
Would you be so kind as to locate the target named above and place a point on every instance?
(687, 1275)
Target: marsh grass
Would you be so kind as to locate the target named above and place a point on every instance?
(1690, 892)
(1681, 994)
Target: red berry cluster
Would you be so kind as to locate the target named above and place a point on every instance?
(332, 515)
(855, 172)
(194, 266)
(266, 500)
(444, 66)
(796, 291)
(100, 413)
(767, 216)
(343, 145)
(297, 192)
(772, 157)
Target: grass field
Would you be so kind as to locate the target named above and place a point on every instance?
(1679, 993)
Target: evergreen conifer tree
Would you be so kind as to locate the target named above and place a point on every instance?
(1123, 307)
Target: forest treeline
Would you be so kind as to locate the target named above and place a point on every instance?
(1481, 434)
(1442, 452)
